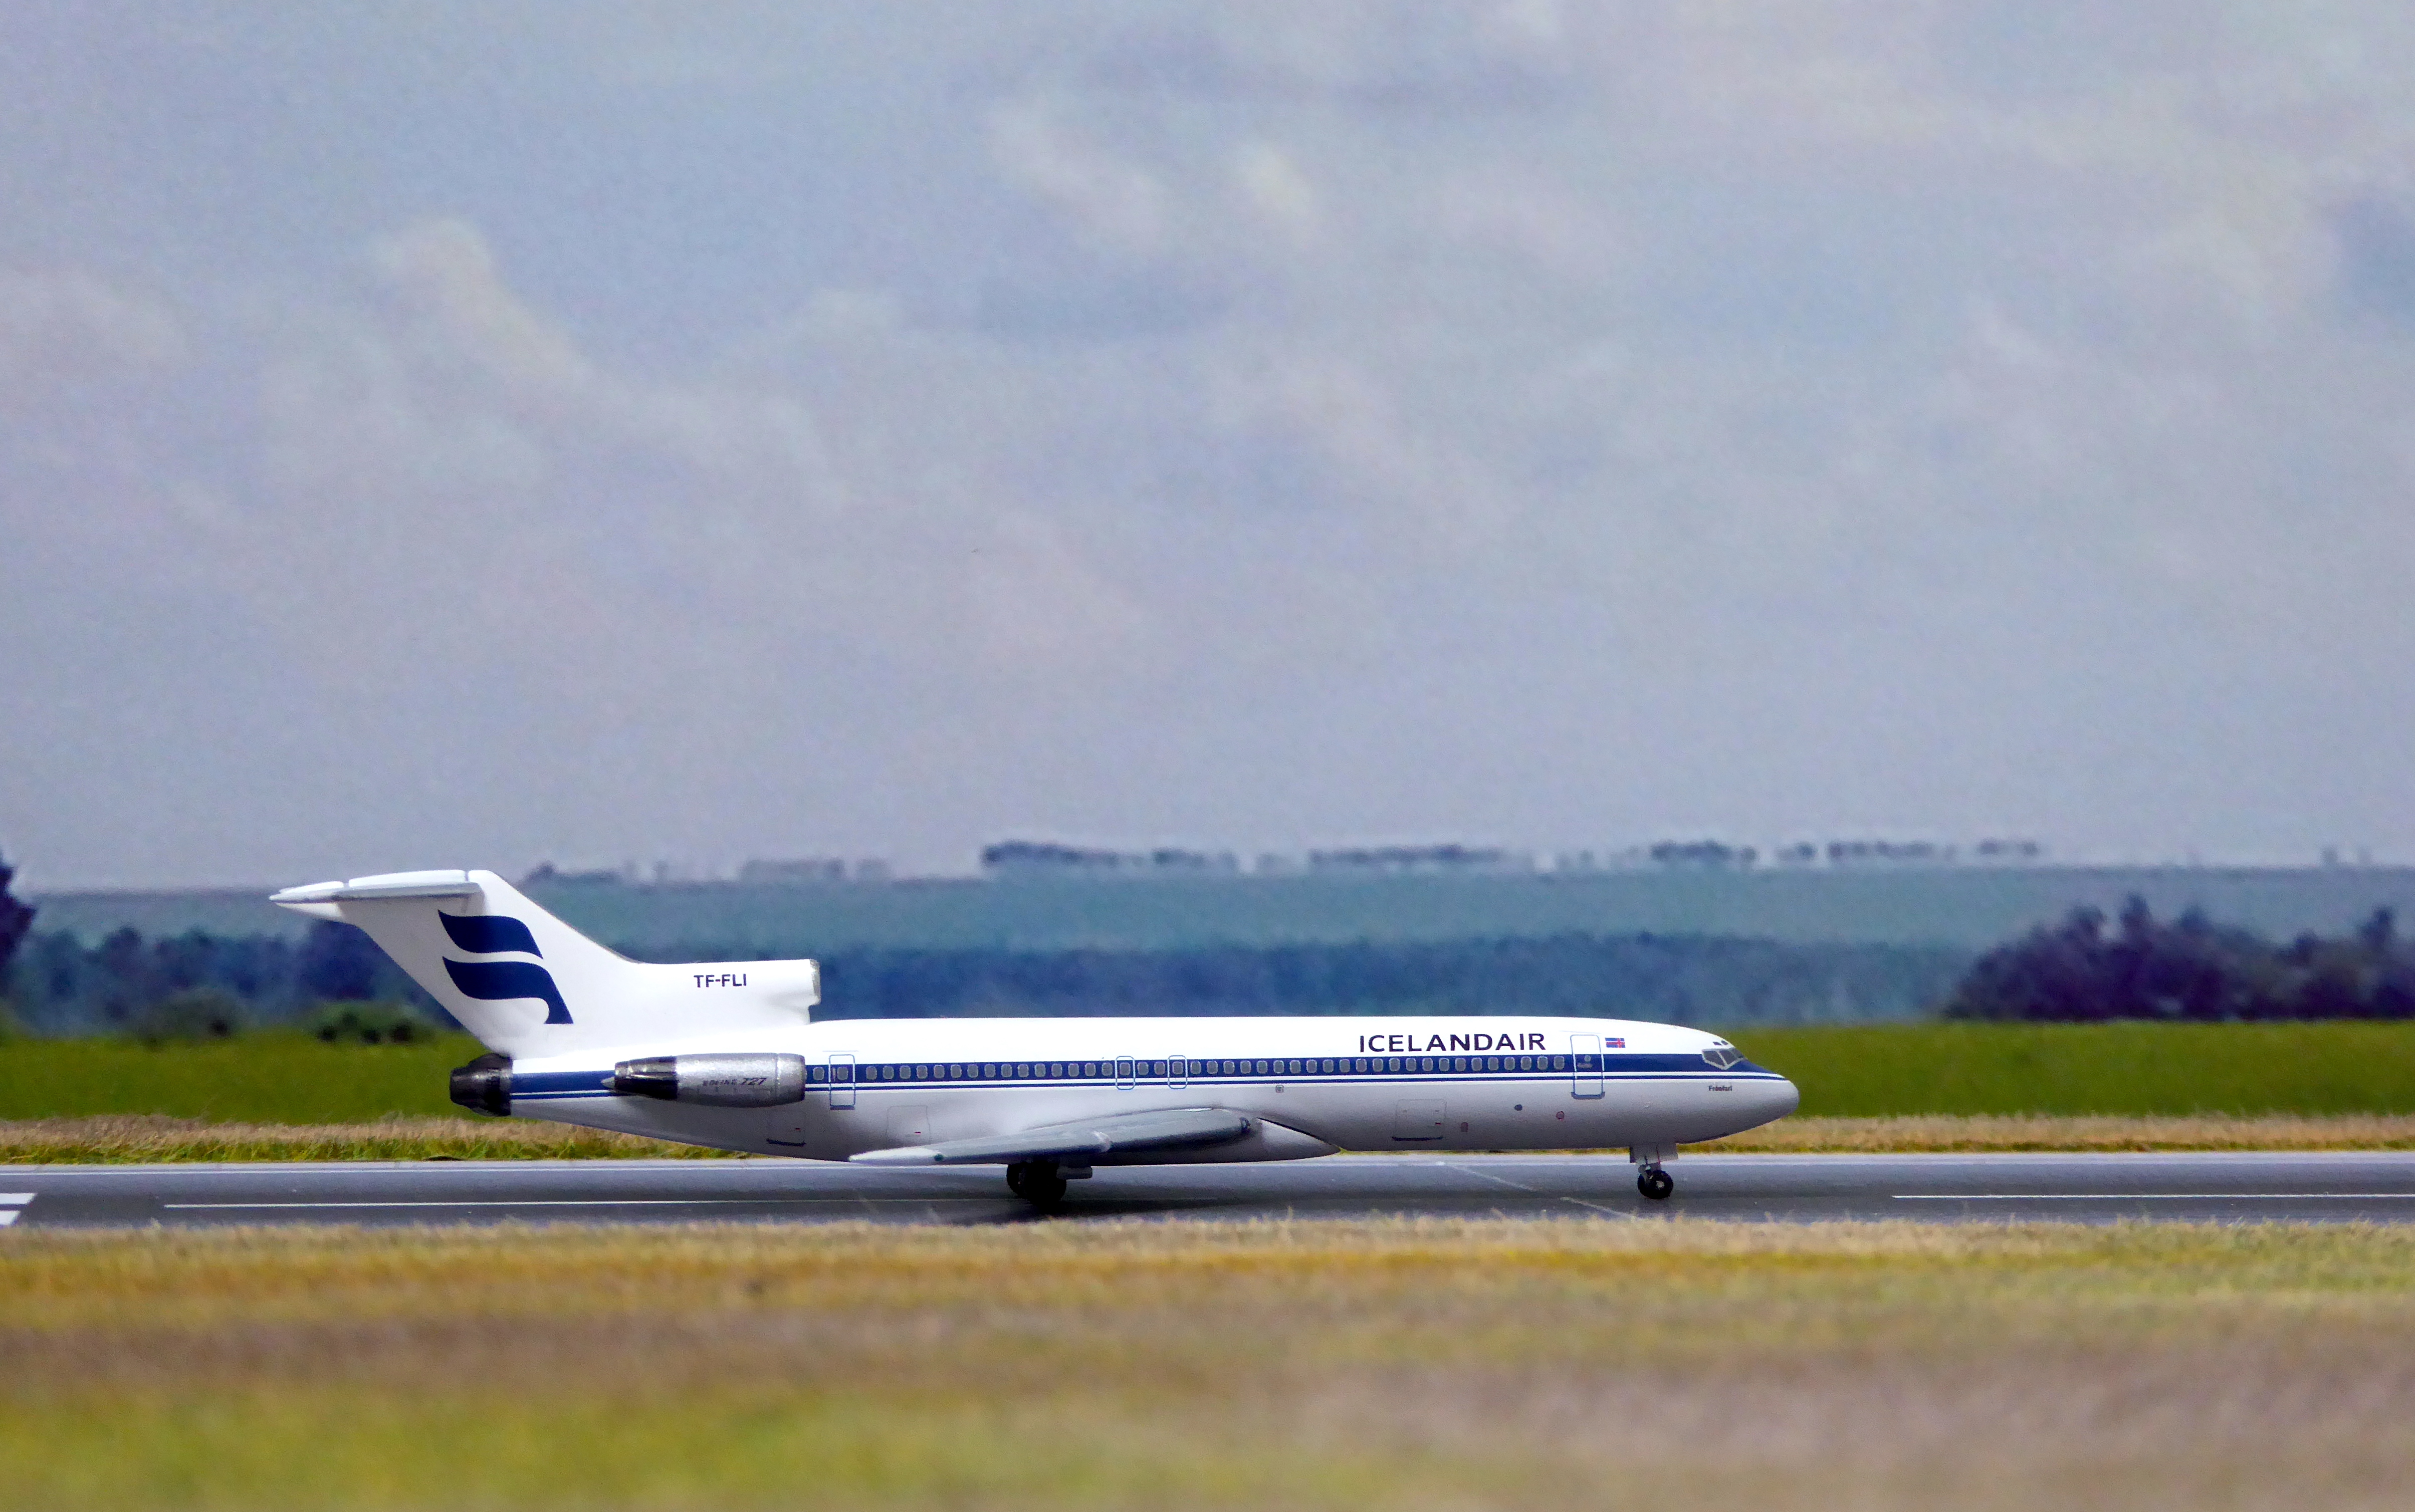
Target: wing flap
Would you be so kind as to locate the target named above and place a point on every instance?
(1176, 1129)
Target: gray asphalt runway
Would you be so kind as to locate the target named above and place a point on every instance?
(2331, 1188)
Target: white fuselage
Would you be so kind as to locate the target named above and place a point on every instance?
(1322, 1083)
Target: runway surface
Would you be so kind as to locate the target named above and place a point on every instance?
(2328, 1188)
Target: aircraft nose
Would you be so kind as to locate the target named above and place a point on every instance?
(1784, 1098)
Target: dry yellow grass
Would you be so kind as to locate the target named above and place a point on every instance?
(116, 1139)
(1949, 1133)
(1407, 1365)
(110, 1139)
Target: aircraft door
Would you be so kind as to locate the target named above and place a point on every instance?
(1421, 1121)
(1585, 1058)
(842, 1082)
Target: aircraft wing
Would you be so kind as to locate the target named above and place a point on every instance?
(1178, 1129)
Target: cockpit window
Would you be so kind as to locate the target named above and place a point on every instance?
(1721, 1057)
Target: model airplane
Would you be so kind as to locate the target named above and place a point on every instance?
(730, 1056)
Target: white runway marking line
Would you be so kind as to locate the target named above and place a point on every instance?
(2154, 1196)
(12, 1204)
(1522, 1187)
(551, 1202)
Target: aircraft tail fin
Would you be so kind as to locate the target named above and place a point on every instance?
(528, 985)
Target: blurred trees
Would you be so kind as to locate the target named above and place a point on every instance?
(2189, 968)
(1675, 978)
(16, 921)
(2085, 968)
(326, 981)
(120, 986)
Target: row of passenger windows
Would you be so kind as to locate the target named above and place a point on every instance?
(1179, 1068)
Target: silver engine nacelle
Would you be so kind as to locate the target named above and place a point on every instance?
(738, 1080)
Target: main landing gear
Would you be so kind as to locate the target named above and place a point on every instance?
(1037, 1182)
(1655, 1183)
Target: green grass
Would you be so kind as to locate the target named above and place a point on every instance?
(1404, 1364)
(269, 1078)
(2133, 1069)
(2137, 1070)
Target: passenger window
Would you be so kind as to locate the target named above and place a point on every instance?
(1156, 1067)
(812, 1073)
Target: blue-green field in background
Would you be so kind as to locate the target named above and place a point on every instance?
(1972, 907)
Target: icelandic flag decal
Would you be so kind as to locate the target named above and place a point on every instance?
(1615, 1044)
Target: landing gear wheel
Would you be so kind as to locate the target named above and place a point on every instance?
(1655, 1183)
(1037, 1182)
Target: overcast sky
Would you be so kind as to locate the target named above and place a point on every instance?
(442, 435)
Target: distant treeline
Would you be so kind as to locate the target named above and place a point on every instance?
(2082, 969)
(63, 986)
(127, 983)
(2188, 968)
(1675, 979)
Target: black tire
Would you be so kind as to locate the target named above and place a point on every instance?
(1655, 1183)
(1043, 1188)
(1014, 1175)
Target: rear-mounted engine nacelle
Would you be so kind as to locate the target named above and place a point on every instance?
(485, 1085)
(743, 1081)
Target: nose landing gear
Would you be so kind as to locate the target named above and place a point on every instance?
(1655, 1183)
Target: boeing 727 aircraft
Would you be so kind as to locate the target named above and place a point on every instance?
(730, 1056)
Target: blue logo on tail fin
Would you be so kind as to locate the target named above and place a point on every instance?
(498, 982)
(489, 934)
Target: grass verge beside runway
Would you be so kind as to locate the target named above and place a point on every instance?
(280, 1077)
(2137, 1070)
(1951, 1133)
(123, 1139)
(1407, 1365)
(2333, 1085)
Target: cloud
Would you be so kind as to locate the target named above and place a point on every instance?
(1526, 419)
(65, 328)
(1107, 199)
